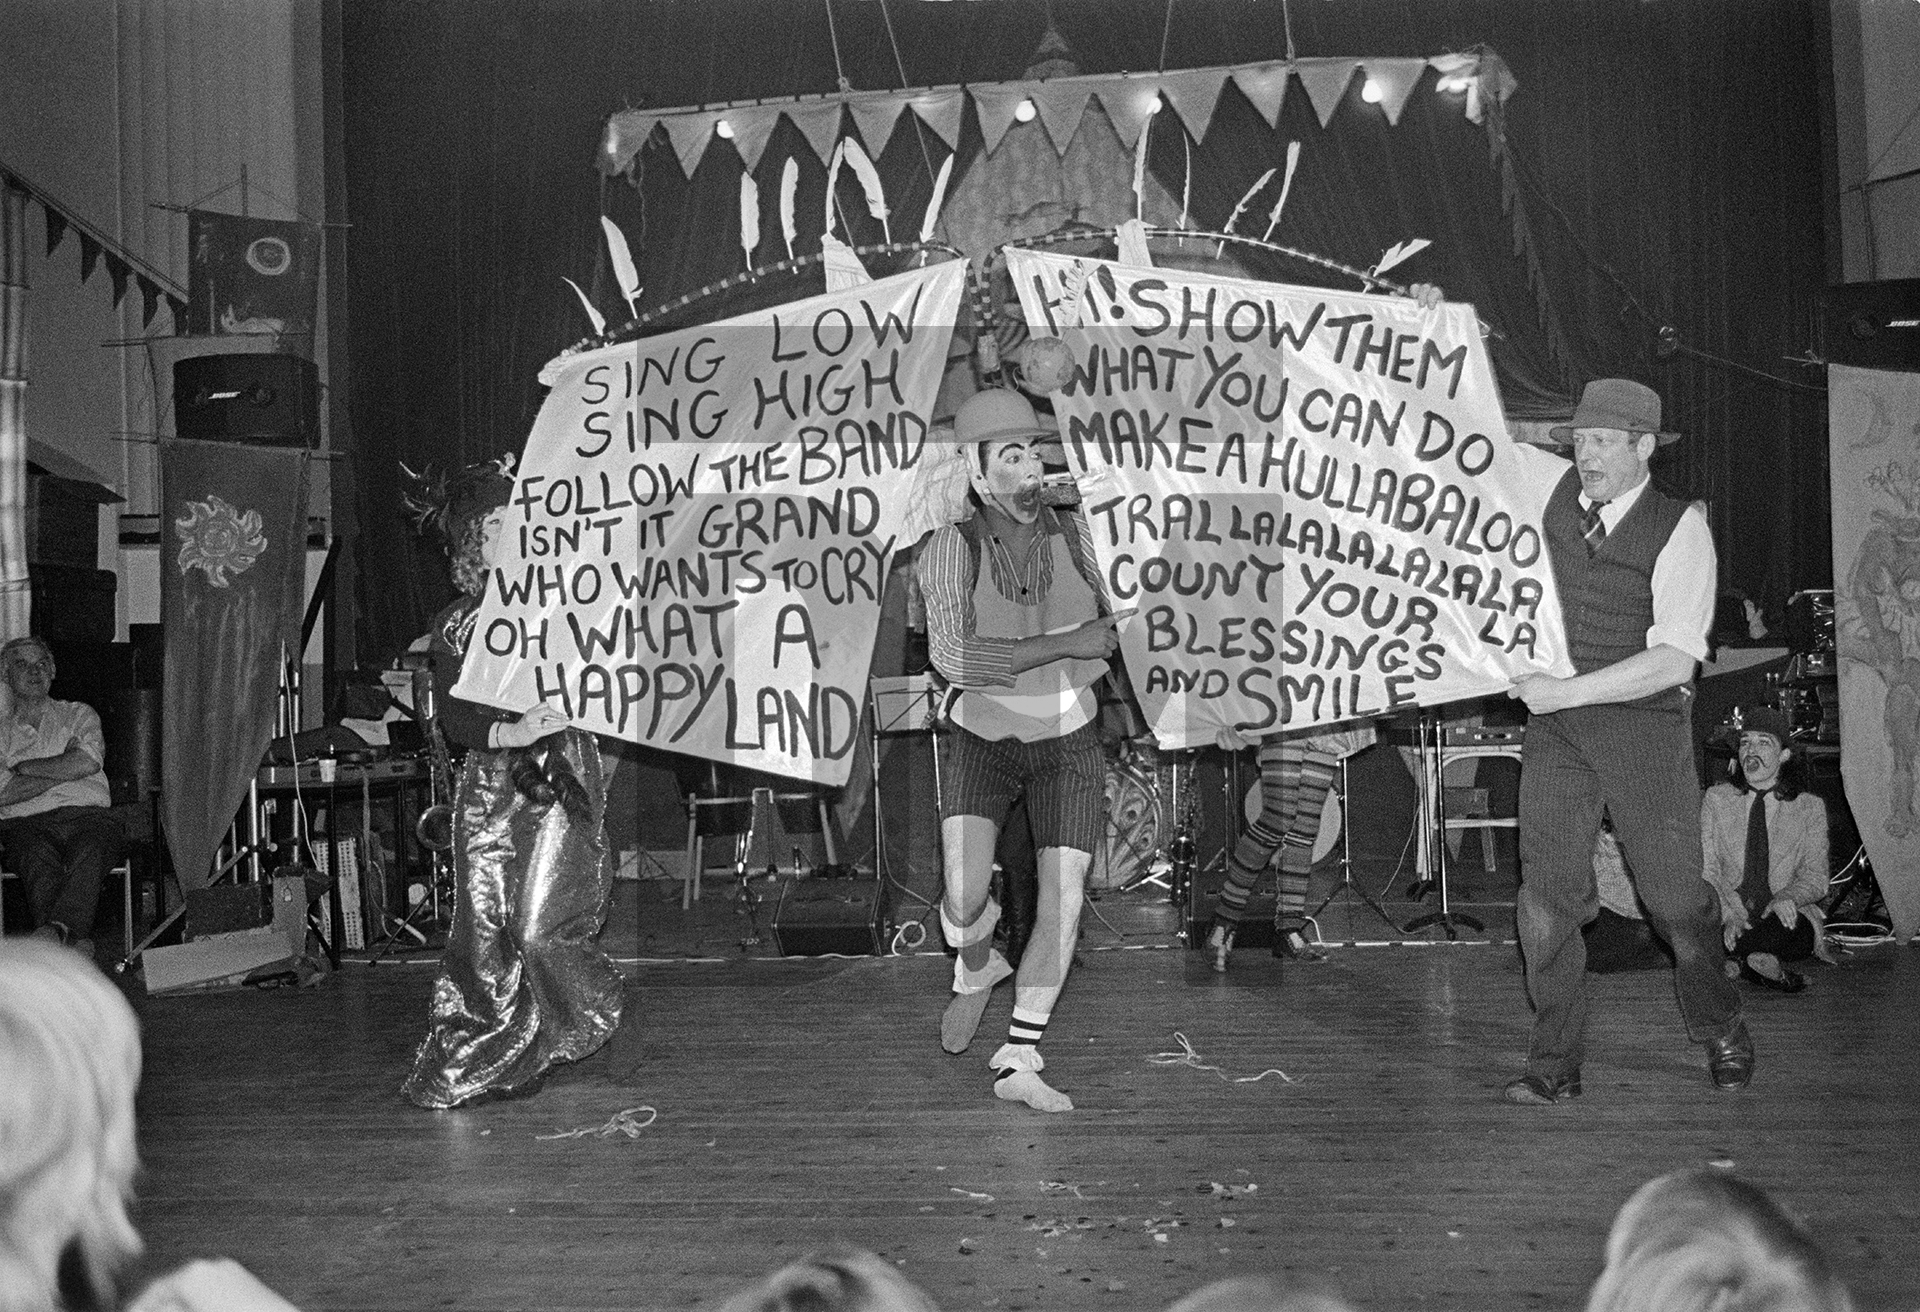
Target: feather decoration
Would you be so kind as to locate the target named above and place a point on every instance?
(1140, 171)
(1286, 185)
(749, 215)
(789, 184)
(862, 165)
(833, 183)
(1186, 187)
(594, 317)
(939, 198)
(1400, 254)
(624, 271)
(1247, 200)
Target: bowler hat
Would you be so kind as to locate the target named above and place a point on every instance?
(996, 414)
(1753, 719)
(1618, 403)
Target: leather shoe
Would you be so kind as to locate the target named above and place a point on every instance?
(1730, 1059)
(1786, 981)
(1539, 1091)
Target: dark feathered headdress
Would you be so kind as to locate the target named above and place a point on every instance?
(445, 504)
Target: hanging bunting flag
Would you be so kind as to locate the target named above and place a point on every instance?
(752, 131)
(941, 111)
(117, 271)
(1396, 79)
(1265, 87)
(1062, 104)
(1194, 95)
(1129, 103)
(149, 298)
(89, 256)
(819, 123)
(875, 117)
(56, 229)
(626, 135)
(691, 134)
(1325, 81)
(996, 105)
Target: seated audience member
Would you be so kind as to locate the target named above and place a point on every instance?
(1765, 849)
(69, 1065)
(1258, 1294)
(1703, 1241)
(61, 836)
(840, 1280)
(1619, 938)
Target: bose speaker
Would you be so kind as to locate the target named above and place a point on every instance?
(269, 399)
(1873, 325)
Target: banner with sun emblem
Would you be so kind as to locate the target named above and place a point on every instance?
(232, 588)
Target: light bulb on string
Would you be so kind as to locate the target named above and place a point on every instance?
(723, 130)
(1155, 105)
(1024, 112)
(1372, 92)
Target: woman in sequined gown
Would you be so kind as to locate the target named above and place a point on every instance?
(523, 983)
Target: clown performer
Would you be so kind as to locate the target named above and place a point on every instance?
(1017, 624)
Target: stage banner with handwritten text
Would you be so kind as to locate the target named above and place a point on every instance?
(1311, 497)
(702, 523)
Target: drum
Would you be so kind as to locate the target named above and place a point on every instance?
(1136, 825)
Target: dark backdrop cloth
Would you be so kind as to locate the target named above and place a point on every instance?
(1664, 158)
(224, 626)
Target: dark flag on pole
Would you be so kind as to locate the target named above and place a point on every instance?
(251, 275)
(232, 582)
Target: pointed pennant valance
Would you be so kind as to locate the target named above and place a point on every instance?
(996, 106)
(1396, 79)
(122, 265)
(1062, 104)
(1326, 83)
(1193, 96)
(1128, 98)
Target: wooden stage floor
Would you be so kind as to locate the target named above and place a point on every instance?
(805, 1101)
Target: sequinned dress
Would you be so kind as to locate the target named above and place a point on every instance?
(523, 983)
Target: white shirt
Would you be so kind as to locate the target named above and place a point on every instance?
(1685, 575)
(62, 725)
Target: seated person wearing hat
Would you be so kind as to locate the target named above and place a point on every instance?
(1765, 847)
(56, 820)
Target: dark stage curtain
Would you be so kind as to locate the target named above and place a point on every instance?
(1664, 158)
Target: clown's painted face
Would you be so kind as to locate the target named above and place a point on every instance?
(1009, 478)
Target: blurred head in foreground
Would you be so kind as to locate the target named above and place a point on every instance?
(1703, 1241)
(69, 1065)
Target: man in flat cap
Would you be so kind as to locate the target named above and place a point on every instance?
(1636, 573)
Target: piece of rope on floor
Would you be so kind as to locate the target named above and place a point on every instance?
(625, 1122)
(1189, 1056)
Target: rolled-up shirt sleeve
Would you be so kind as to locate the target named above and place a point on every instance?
(87, 735)
(1685, 577)
(946, 574)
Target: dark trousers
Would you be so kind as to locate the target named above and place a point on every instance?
(1767, 934)
(1636, 764)
(62, 856)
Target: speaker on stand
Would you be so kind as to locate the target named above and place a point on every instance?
(269, 399)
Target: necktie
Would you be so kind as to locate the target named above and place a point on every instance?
(1591, 528)
(1755, 891)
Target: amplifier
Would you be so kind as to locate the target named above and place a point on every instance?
(313, 774)
(829, 912)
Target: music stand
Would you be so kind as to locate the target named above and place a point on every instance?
(1432, 769)
(1347, 883)
(906, 703)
